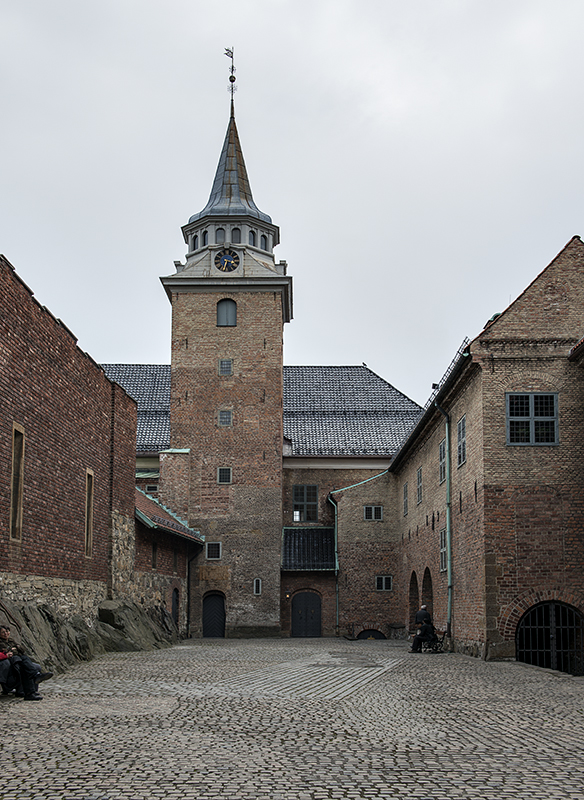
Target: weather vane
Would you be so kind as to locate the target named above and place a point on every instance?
(232, 86)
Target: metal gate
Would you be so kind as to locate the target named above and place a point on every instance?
(306, 610)
(214, 616)
(552, 635)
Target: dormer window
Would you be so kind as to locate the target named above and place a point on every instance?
(264, 242)
(236, 236)
(252, 238)
(220, 236)
(205, 238)
(195, 245)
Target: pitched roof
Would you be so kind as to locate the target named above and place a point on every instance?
(231, 192)
(154, 515)
(328, 411)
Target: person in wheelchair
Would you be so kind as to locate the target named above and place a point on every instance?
(426, 635)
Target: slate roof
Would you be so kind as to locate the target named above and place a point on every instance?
(328, 411)
(308, 549)
(155, 515)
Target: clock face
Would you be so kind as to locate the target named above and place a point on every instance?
(226, 260)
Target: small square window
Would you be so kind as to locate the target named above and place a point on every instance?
(213, 550)
(373, 512)
(225, 420)
(532, 419)
(225, 366)
(383, 583)
(224, 475)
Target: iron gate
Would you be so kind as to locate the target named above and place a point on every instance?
(552, 635)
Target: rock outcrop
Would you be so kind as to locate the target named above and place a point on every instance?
(57, 643)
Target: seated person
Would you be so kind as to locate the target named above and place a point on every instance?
(24, 675)
(426, 633)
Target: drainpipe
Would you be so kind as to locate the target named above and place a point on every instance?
(448, 520)
(330, 499)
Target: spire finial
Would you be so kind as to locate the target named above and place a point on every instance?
(232, 86)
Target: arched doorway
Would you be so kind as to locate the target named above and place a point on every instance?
(175, 606)
(214, 616)
(552, 635)
(414, 600)
(306, 614)
(428, 592)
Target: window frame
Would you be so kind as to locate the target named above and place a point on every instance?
(442, 461)
(89, 507)
(222, 420)
(461, 440)
(419, 486)
(224, 469)
(208, 545)
(443, 551)
(375, 511)
(531, 418)
(226, 313)
(257, 586)
(17, 482)
(225, 361)
(405, 499)
(304, 504)
(384, 583)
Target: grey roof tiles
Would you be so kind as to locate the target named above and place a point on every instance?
(328, 411)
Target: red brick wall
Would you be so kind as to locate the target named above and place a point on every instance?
(73, 419)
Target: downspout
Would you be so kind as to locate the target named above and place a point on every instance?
(332, 501)
(448, 520)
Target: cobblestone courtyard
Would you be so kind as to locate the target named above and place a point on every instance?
(296, 719)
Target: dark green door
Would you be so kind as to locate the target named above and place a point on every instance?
(306, 614)
(214, 616)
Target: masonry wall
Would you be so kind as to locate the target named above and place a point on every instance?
(245, 516)
(74, 421)
(366, 549)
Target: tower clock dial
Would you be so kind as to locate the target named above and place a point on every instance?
(226, 260)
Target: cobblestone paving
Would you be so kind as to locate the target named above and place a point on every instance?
(296, 719)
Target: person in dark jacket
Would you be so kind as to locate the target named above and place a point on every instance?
(423, 615)
(24, 675)
(425, 633)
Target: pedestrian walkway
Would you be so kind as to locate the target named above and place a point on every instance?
(296, 719)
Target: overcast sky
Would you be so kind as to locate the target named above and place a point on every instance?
(423, 159)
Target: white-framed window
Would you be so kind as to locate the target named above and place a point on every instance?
(405, 499)
(224, 475)
(419, 485)
(213, 550)
(257, 586)
(225, 366)
(532, 418)
(383, 583)
(461, 434)
(373, 512)
(443, 556)
(442, 461)
(225, 420)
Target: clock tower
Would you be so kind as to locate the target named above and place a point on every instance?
(223, 471)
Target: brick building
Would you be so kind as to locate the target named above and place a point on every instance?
(72, 530)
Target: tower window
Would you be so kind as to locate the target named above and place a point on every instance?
(225, 419)
(205, 238)
(195, 245)
(224, 475)
(252, 238)
(236, 236)
(264, 242)
(227, 313)
(220, 236)
(213, 550)
(225, 366)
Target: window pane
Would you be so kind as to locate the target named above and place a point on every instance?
(225, 418)
(544, 405)
(519, 405)
(236, 236)
(518, 432)
(368, 512)
(545, 432)
(378, 512)
(226, 366)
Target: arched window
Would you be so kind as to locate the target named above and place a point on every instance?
(264, 243)
(205, 238)
(236, 236)
(227, 313)
(252, 238)
(219, 235)
(195, 243)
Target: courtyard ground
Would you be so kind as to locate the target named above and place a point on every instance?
(295, 719)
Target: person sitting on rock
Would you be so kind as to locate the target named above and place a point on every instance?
(24, 676)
